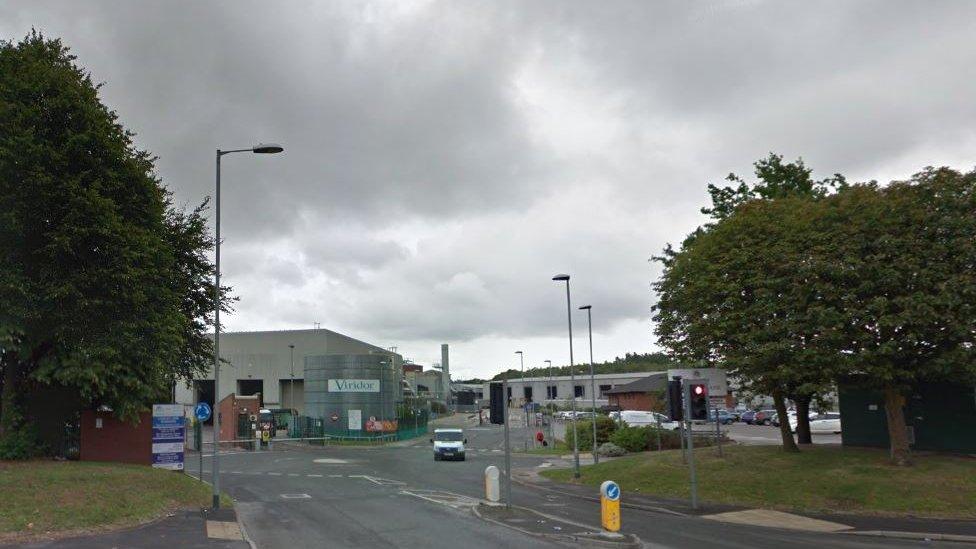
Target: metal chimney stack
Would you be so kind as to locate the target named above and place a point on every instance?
(446, 375)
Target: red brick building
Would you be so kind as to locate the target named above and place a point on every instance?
(644, 394)
(106, 438)
(231, 408)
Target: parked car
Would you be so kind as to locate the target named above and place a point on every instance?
(791, 417)
(748, 417)
(826, 423)
(724, 417)
(763, 417)
(641, 418)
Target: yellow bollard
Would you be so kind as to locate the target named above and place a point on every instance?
(610, 506)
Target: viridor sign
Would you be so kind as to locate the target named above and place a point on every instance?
(354, 385)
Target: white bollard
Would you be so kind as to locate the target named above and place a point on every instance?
(491, 483)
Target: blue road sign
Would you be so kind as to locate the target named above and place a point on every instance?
(202, 411)
(613, 491)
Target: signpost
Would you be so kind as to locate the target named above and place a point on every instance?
(202, 412)
(610, 506)
(168, 436)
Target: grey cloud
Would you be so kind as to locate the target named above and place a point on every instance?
(444, 159)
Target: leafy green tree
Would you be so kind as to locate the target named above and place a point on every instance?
(902, 258)
(104, 285)
(742, 292)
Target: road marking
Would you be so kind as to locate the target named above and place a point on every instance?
(331, 461)
(314, 476)
(336, 476)
(380, 481)
(497, 451)
(294, 475)
(273, 474)
(296, 496)
(236, 473)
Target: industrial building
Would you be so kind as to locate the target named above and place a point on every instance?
(560, 390)
(273, 364)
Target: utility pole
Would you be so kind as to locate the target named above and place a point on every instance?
(686, 397)
(589, 323)
(508, 449)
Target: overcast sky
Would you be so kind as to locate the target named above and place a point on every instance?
(444, 159)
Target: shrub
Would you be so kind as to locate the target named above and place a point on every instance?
(604, 429)
(632, 439)
(20, 444)
(610, 449)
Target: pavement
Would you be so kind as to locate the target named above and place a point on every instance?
(192, 529)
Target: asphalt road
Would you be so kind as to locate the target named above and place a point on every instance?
(399, 497)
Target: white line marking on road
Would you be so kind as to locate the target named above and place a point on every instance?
(274, 474)
(294, 475)
(380, 481)
(314, 476)
(335, 476)
(236, 473)
(296, 496)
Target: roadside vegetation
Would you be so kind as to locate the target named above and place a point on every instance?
(796, 283)
(52, 497)
(819, 479)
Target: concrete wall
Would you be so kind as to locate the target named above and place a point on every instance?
(116, 440)
(267, 357)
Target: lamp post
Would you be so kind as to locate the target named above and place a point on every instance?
(589, 322)
(572, 375)
(291, 380)
(550, 396)
(264, 148)
(525, 400)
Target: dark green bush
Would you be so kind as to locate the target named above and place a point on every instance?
(604, 430)
(632, 439)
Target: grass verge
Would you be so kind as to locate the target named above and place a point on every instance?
(557, 449)
(818, 479)
(41, 497)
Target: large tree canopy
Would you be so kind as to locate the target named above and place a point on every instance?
(105, 286)
(791, 289)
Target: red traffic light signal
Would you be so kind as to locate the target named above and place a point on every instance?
(699, 390)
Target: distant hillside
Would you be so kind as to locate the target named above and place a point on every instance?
(631, 362)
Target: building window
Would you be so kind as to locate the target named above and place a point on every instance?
(604, 389)
(551, 392)
(527, 393)
(578, 391)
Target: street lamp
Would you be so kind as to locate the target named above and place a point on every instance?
(572, 375)
(589, 321)
(550, 396)
(525, 399)
(262, 148)
(291, 382)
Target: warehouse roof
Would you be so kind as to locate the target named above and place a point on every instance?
(654, 382)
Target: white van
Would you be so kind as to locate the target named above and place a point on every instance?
(448, 444)
(640, 418)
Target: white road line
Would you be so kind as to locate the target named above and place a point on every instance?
(236, 473)
(314, 476)
(335, 476)
(294, 475)
(274, 474)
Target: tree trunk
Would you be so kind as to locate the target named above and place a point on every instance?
(9, 416)
(803, 420)
(897, 430)
(789, 444)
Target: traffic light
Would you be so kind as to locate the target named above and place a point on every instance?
(496, 398)
(675, 411)
(698, 403)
